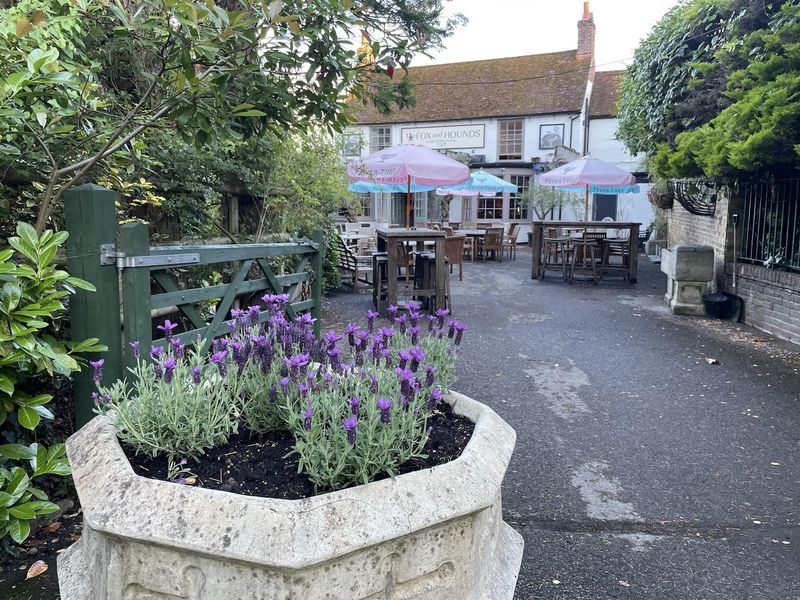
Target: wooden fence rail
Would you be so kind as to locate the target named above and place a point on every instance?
(131, 275)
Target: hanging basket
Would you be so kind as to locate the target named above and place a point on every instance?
(662, 200)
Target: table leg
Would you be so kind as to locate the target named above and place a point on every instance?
(441, 273)
(633, 242)
(536, 269)
(391, 268)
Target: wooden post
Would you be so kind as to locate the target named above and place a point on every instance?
(134, 240)
(316, 287)
(91, 220)
(536, 250)
(633, 242)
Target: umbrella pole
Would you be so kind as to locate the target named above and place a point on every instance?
(586, 203)
(409, 205)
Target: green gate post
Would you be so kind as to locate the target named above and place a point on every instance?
(134, 240)
(91, 220)
(316, 287)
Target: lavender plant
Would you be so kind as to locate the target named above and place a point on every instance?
(180, 403)
(357, 404)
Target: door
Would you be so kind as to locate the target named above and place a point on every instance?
(605, 205)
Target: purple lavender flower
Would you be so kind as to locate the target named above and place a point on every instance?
(309, 412)
(331, 338)
(177, 347)
(406, 377)
(401, 323)
(354, 402)
(417, 356)
(451, 332)
(350, 424)
(156, 352)
(414, 315)
(414, 333)
(430, 373)
(333, 354)
(441, 313)
(97, 365)
(136, 351)
(167, 328)
(169, 369)
(273, 393)
(302, 389)
(431, 321)
(305, 320)
(386, 332)
(370, 315)
(405, 356)
(460, 329)
(254, 312)
(96, 398)
(433, 399)
(350, 331)
(221, 360)
(296, 364)
(196, 374)
(284, 383)
(386, 353)
(392, 311)
(384, 405)
(240, 353)
(373, 383)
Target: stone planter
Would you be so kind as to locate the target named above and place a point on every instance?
(431, 534)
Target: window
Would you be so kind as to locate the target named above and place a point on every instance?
(351, 144)
(379, 138)
(491, 208)
(516, 210)
(509, 140)
(364, 203)
(420, 208)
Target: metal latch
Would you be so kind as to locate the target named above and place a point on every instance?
(110, 256)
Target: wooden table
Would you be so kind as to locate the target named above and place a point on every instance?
(387, 242)
(474, 235)
(538, 228)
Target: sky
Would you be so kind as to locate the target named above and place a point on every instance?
(502, 28)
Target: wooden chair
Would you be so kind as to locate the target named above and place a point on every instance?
(357, 267)
(493, 242)
(556, 249)
(620, 247)
(510, 241)
(454, 250)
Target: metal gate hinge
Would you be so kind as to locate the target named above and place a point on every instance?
(110, 256)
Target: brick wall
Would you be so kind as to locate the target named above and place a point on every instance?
(684, 228)
(771, 300)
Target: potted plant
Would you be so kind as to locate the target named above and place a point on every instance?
(357, 406)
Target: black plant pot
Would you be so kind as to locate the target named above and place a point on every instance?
(719, 306)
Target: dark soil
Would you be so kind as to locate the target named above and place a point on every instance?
(255, 464)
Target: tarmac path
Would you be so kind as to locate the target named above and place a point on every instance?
(641, 470)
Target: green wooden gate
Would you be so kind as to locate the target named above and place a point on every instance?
(133, 280)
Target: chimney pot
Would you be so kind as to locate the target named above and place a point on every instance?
(585, 11)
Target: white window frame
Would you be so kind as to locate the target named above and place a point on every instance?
(514, 140)
(380, 137)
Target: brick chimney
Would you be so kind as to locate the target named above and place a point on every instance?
(586, 30)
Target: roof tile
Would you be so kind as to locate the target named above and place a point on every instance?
(605, 93)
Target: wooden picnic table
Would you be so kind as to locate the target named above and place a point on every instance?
(388, 240)
(632, 267)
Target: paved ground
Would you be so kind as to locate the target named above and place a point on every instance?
(641, 470)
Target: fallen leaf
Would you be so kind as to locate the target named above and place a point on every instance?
(55, 526)
(36, 568)
(712, 361)
(624, 583)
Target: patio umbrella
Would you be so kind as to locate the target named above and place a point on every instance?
(408, 164)
(366, 187)
(584, 172)
(479, 182)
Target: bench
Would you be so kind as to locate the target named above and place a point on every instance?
(356, 267)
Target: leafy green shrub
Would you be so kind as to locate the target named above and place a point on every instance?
(31, 300)
(354, 411)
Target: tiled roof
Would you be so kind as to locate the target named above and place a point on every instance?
(503, 87)
(605, 93)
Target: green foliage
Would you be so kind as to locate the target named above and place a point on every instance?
(174, 415)
(757, 133)
(31, 299)
(277, 375)
(543, 199)
(712, 91)
(81, 81)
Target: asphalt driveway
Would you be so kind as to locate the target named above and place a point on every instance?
(656, 457)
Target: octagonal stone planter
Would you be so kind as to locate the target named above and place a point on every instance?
(434, 534)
